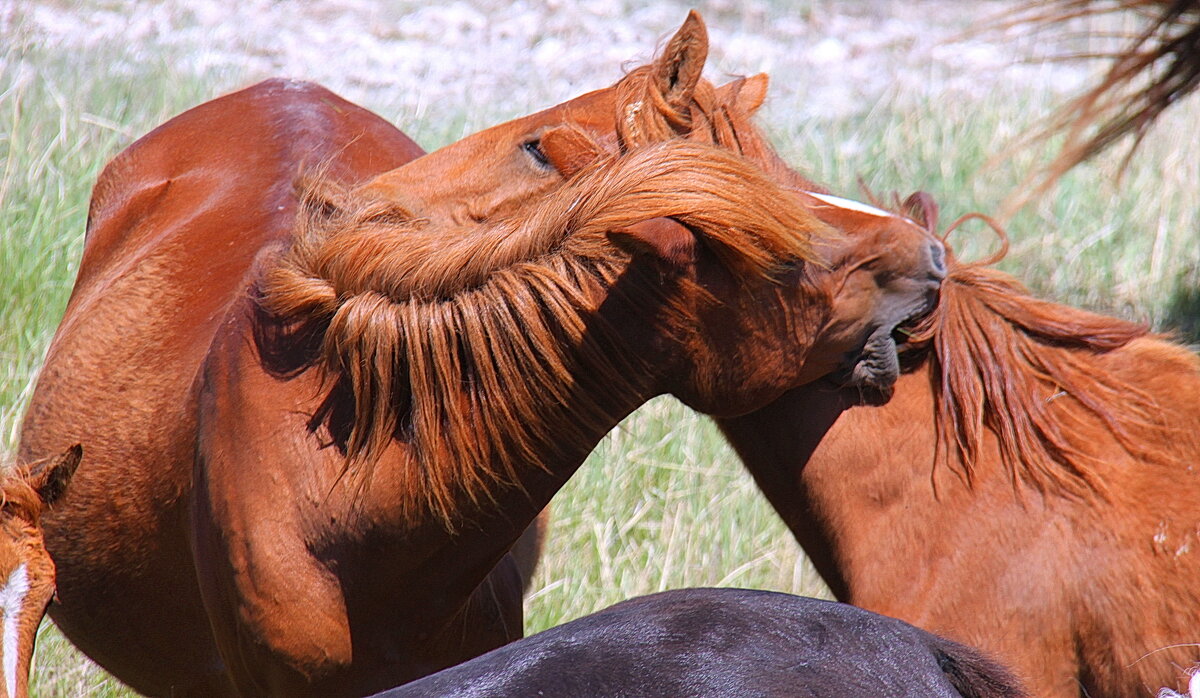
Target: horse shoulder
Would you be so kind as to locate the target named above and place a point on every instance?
(278, 523)
(252, 507)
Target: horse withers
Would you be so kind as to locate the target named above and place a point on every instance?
(26, 568)
(318, 446)
(712, 643)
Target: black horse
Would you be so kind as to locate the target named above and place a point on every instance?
(725, 642)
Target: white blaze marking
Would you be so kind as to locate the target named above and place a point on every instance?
(849, 204)
(12, 597)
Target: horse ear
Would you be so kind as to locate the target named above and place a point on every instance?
(677, 70)
(921, 207)
(50, 477)
(745, 95)
(665, 238)
(569, 149)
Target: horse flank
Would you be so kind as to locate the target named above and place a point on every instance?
(1016, 365)
(479, 347)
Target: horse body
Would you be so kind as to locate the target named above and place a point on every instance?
(174, 226)
(332, 503)
(1081, 593)
(26, 570)
(721, 642)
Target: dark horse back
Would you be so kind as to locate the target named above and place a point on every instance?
(726, 642)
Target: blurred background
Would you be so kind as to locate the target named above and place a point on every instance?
(903, 95)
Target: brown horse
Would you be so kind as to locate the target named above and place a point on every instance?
(1030, 489)
(311, 487)
(25, 566)
(175, 222)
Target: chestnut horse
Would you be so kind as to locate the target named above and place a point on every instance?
(1029, 489)
(174, 224)
(25, 566)
(311, 459)
(714, 643)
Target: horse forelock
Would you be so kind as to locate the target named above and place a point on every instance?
(644, 116)
(1030, 371)
(480, 347)
(18, 496)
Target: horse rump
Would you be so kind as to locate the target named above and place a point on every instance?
(726, 642)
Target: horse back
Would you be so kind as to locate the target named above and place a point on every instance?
(238, 154)
(174, 224)
(717, 642)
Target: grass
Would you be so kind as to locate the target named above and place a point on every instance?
(662, 502)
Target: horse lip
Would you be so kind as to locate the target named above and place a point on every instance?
(926, 308)
(876, 365)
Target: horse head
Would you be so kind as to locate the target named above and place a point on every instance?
(713, 270)
(25, 566)
(881, 272)
(491, 173)
(884, 276)
(841, 306)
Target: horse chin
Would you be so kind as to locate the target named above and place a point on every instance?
(877, 367)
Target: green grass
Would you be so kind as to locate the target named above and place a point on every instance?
(662, 503)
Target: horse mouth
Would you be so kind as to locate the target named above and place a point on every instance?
(876, 367)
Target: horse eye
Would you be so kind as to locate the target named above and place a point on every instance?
(534, 148)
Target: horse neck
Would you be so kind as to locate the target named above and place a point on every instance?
(775, 447)
(487, 522)
(838, 471)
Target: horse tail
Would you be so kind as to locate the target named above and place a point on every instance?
(973, 674)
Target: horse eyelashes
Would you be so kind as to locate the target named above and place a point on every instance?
(534, 148)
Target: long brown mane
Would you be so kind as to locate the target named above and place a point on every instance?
(480, 348)
(1027, 370)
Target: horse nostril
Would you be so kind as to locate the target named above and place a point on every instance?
(937, 259)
